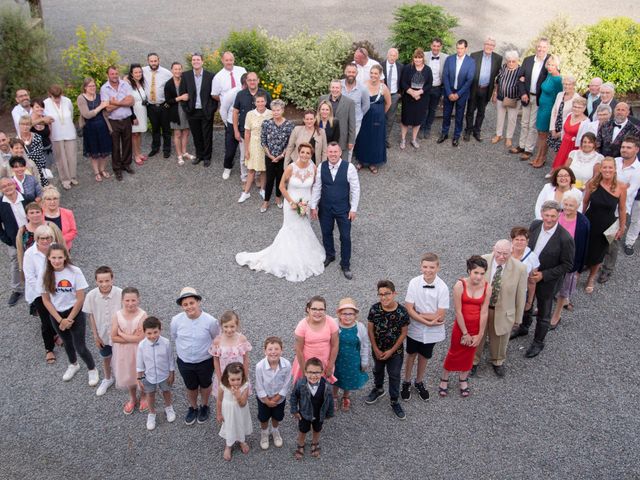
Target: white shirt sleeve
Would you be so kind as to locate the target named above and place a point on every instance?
(317, 189)
(354, 187)
(542, 197)
(260, 391)
(140, 359)
(443, 298)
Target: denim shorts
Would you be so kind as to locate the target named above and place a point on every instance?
(152, 387)
(105, 352)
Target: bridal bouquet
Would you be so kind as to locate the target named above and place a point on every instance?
(302, 208)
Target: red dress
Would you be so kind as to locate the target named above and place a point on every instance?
(568, 143)
(460, 357)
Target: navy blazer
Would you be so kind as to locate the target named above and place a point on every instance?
(465, 76)
(581, 239)
(8, 224)
(556, 258)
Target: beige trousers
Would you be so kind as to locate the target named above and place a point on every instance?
(528, 132)
(511, 115)
(497, 343)
(66, 152)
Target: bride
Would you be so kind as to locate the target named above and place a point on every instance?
(295, 253)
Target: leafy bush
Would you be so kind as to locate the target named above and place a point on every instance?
(89, 57)
(23, 61)
(570, 44)
(305, 64)
(250, 49)
(614, 48)
(416, 25)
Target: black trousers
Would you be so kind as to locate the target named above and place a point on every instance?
(274, 173)
(433, 100)
(544, 302)
(121, 144)
(74, 339)
(230, 146)
(477, 102)
(202, 132)
(159, 118)
(46, 328)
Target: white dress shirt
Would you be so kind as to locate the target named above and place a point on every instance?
(459, 62)
(352, 178)
(155, 360)
(17, 208)
(393, 87)
(435, 68)
(270, 382)
(226, 105)
(617, 129)
(16, 113)
(631, 176)
(63, 127)
(535, 74)
(162, 76)
(427, 300)
(543, 239)
(194, 337)
(221, 83)
(364, 72)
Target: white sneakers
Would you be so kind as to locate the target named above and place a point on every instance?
(277, 439)
(171, 414)
(72, 369)
(104, 386)
(226, 173)
(244, 197)
(151, 421)
(264, 439)
(94, 378)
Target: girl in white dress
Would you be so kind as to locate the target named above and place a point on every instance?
(232, 409)
(295, 253)
(136, 80)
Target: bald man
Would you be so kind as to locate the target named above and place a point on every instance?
(508, 278)
(611, 134)
(392, 70)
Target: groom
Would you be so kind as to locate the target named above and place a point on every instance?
(334, 199)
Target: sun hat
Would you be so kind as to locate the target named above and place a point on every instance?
(187, 292)
(347, 303)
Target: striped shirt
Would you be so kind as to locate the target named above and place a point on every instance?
(507, 81)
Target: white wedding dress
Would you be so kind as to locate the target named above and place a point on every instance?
(295, 254)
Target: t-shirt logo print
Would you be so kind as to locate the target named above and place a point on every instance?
(64, 286)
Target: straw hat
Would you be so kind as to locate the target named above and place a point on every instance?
(187, 292)
(347, 303)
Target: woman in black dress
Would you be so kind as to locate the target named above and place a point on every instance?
(603, 194)
(415, 83)
(328, 122)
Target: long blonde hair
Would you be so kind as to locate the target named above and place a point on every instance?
(598, 178)
(330, 118)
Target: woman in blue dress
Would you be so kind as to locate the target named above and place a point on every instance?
(370, 149)
(96, 136)
(353, 354)
(549, 90)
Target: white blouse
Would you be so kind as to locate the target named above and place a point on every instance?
(62, 127)
(548, 192)
(582, 165)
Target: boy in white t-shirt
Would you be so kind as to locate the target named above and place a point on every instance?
(100, 304)
(427, 302)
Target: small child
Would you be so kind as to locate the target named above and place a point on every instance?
(154, 367)
(232, 409)
(353, 354)
(126, 334)
(100, 304)
(311, 404)
(273, 378)
(229, 346)
(388, 325)
(427, 302)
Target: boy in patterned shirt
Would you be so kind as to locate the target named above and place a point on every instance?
(388, 325)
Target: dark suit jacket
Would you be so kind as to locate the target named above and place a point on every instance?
(527, 69)
(465, 76)
(333, 133)
(8, 224)
(496, 63)
(170, 94)
(399, 68)
(346, 115)
(610, 148)
(188, 85)
(556, 258)
(597, 103)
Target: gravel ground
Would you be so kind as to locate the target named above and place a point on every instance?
(569, 413)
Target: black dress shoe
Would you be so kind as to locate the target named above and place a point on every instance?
(499, 370)
(347, 273)
(519, 332)
(477, 137)
(328, 260)
(13, 299)
(442, 138)
(534, 350)
(474, 371)
(166, 154)
(466, 137)
(196, 161)
(207, 163)
(119, 176)
(153, 152)
(130, 170)
(455, 142)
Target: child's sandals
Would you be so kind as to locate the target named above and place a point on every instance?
(346, 404)
(299, 453)
(443, 392)
(315, 450)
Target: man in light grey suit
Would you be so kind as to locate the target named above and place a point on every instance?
(435, 60)
(508, 278)
(344, 110)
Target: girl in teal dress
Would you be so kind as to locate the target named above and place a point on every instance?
(549, 90)
(353, 354)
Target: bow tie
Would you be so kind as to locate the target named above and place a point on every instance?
(619, 125)
(428, 286)
(314, 384)
(435, 58)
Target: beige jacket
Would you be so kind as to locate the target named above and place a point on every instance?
(512, 295)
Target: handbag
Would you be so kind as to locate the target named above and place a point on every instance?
(610, 233)
(509, 102)
(554, 143)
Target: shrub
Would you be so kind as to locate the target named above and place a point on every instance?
(614, 48)
(416, 25)
(305, 64)
(89, 57)
(23, 61)
(250, 49)
(570, 44)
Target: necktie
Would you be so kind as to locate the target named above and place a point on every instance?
(390, 76)
(233, 80)
(495, 286)
(152, 88)
(17, 185)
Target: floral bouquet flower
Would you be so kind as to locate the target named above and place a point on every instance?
(302, 208)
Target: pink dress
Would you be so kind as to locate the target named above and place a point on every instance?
(124, 354)
(227, 355)
(316, 344)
